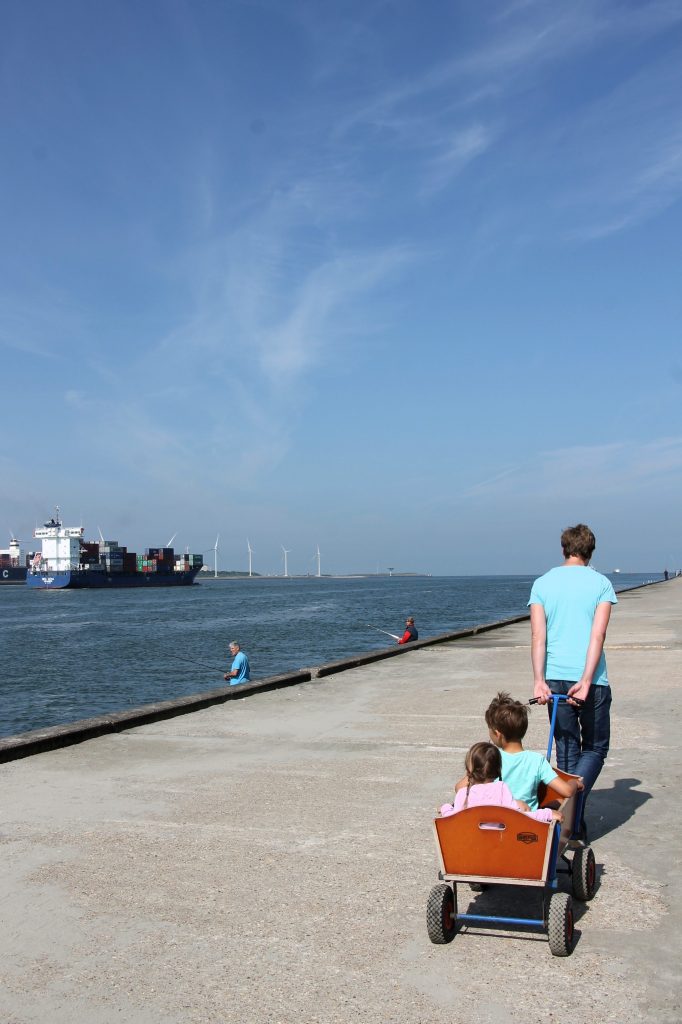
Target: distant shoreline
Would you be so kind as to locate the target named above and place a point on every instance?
(655, 577)
(202, 576)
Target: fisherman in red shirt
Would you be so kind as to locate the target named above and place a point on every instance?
(410, 631)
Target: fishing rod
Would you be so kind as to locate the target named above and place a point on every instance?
(385, 631)
(198, 664)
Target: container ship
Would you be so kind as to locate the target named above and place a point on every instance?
(67, 561)
(12, 563)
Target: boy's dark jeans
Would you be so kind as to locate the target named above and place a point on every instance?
(582, 734)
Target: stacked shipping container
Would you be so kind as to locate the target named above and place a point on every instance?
(110, 557)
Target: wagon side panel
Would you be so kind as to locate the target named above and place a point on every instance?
(494, 842)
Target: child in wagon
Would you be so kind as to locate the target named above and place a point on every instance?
(482, 786)
(521, 770)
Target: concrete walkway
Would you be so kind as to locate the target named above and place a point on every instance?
(269, 860)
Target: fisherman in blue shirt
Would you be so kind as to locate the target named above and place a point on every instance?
(240, 671)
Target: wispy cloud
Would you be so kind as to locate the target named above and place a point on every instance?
(490, 484)
(520, 40)
(586, 472)
(628, 153)
(315, 324)
(277, 295)
(470, 105)
(38, 325)
(465, 146)
(269, 302)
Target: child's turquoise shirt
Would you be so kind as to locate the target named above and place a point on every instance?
(523, 772)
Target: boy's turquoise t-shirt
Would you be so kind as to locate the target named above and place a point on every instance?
(569, 595)
(523, 772)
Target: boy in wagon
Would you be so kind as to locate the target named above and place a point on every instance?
(522, 770)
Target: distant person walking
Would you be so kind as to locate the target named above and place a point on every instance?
(240, 671)
(570, 607)
(410, 631)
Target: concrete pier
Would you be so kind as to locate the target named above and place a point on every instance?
(269, 859)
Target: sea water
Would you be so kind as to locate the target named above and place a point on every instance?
(72, 654)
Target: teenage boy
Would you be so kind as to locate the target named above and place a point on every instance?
(570, 607)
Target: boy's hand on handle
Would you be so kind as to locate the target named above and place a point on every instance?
(542, 692)
(523, 806)
(577, 695)
(557, 816)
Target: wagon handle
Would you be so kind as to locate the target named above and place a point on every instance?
(556, 697)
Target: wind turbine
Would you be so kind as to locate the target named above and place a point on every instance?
(286, 552)
(319, 572)
(250, 550)
(215, 557)
(172, 539)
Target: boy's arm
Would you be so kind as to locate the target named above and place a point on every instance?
(538, 652)
(564, 787)
(600, 623)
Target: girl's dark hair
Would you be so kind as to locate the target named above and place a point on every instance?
(483, 764)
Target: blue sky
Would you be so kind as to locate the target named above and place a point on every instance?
(398, 279)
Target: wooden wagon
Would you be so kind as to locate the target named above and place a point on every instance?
(488, 845)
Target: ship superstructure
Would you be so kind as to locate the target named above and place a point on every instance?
(12, 563)
(61, 545)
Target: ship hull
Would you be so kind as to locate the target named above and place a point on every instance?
(87, 580)
(13, 574)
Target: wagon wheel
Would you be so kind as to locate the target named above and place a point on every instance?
(440, 914)
(584, 872)
(560, 924)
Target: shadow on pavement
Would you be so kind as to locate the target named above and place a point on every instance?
(608, 809)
